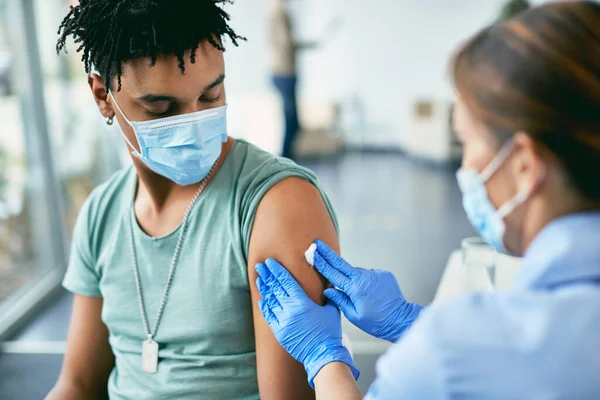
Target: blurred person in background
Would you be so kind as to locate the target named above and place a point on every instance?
(528, 117)
(285, 49)
(165, 302)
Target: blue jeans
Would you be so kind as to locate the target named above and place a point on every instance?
(286, 86)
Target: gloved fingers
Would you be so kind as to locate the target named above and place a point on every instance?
(268, 296)
(263, 289)
(331, 274)
(267, 313)
(264, 273)
(270, 280)
(273, 303)
(274, 285)
(335, 261)
(341, 300)
(286, 281)
(331, 305)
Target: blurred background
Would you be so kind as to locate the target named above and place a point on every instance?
(374, 106)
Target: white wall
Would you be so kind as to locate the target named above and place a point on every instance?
(388, 52)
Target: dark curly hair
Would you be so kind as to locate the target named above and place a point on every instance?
(109, 32)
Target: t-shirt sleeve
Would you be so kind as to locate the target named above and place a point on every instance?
(82, 277)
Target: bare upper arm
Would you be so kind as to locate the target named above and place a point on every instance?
(289, 218)
(89, 359)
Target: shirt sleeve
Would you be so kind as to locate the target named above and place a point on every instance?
(82, 277)
(411, 368)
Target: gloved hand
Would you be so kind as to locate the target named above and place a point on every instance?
(370, 299)
(311, 333)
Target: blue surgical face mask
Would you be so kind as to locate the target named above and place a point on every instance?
(486, 220)
(182, 148)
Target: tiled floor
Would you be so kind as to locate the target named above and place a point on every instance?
(395, 213)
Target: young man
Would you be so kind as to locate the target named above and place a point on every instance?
(163, 255)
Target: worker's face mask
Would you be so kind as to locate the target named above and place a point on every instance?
(182, 148)
(482, 214)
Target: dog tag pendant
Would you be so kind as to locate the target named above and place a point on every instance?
(149, 356)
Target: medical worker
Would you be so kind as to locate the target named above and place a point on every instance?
(528, 115)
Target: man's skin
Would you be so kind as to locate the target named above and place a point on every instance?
(289, 218)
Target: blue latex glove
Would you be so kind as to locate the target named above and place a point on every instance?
(370, 299)
(311, 333)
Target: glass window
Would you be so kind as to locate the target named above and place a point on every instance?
(54, 149)
(85, 150)
(26, 247)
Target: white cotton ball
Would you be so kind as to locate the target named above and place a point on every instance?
(310, 254)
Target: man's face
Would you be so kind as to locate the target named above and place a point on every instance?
(152, 92)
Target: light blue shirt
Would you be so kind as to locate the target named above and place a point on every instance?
(539, 340)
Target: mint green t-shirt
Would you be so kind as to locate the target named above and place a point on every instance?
(206, 334)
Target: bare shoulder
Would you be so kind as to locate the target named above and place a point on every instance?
(290, 217)
(295, 204)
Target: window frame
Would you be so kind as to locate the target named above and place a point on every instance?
(20, 307)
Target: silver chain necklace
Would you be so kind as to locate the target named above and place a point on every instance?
(149, 346)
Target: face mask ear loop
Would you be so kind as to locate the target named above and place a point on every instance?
(509, 207)
(134, 152)
(497, 162)
(520, 198)
(491, 169)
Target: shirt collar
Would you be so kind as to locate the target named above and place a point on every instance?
(567, 250)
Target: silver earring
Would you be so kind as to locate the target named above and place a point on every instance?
(109, 121)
